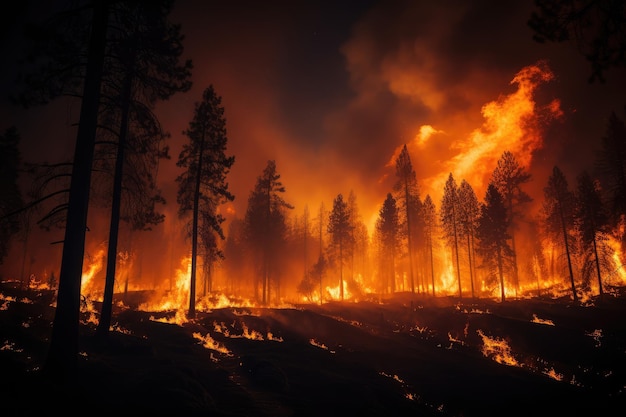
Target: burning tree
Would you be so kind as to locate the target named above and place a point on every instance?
(450, 221)
(611, 171)
(591, 222)
(493, 236)
(203, 186)
(359, 239)
(388, 232)
(265, 225)
(408, 195)
(429, 213)
(340, 229)
(558, 213)
(101, 73)
(509, 177)
(469, 211)
(145, 55)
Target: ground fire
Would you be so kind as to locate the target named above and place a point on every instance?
(457, 267)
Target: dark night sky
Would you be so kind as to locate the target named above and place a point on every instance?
(331, 90)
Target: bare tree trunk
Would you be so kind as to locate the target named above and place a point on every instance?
(341, 269)
(469, 254)
(63, 351)
(501, 274)
(569, 260)
(408, 226)
(107, 303)
(194, 235)
(432, 263)
(595, 253)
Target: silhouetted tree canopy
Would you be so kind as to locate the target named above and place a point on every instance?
(597, 28)
(493, 236)
(558, 215)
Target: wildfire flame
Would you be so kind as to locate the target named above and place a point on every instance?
(512, 122)
(497, 349)
(210, 343)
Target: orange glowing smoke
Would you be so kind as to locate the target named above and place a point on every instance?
(512, 122)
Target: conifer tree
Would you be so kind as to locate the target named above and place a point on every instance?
(509, 177)
(450, 222)
(469, 212)
(429, 214)
(408, 194)
(266, 227)
(202, 186)
(493, 236)
(388, 230)
(591, 222)
(558, 216)
(340, 230)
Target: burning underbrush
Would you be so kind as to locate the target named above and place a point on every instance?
(406, 355)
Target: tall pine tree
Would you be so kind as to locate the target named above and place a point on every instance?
(493, 236)
(202, 186)
(558, 216)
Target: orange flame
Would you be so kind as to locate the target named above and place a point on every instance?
(512, 122)
(497, 349)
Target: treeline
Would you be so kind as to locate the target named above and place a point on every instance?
(462, 245)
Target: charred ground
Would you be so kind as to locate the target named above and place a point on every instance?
(405, 356)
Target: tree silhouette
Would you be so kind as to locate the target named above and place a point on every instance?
(388, 230)
(509, 177)
(450, 221)
(63, 350)
(144, 40)
(265, 224)
(493, 236)
(429, 214)
(610, 166)
(468, 213)
(322, 262)
(595, 27)
(591, 221)
(235, 255)
(558, 212)
(340, 229)
(202, 185)
(408, 193)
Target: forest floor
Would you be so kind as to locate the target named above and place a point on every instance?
(407, 356)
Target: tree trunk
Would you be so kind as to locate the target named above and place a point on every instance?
(569, 260)
(456, 252)
(469, 254)
(595, 253)
(341, 269)
(432, 264)
(63, 351)
(501, 274)
(194, 235)
(107, 303)
(408, 226)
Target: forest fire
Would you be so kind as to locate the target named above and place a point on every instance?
(392, 215)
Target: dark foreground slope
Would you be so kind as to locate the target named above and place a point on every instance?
(406, 356)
